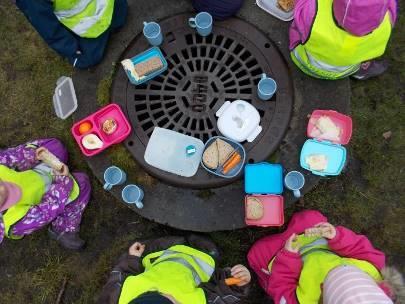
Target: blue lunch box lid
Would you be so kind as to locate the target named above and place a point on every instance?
(335, 153)
(264, 178)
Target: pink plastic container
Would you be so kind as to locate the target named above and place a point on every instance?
(344, 122)
(273, 211)
(96, 120)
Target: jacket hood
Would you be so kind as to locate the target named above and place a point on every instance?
(359, 17)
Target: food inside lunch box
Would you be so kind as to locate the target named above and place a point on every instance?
(286, 5)
(326, 129)
(109, 126)
(92, 142)
(318, 162)
(232, 281)
(254, 208)
(221, 154)
(144, 68)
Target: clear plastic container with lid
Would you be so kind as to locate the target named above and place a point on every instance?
(64, 98)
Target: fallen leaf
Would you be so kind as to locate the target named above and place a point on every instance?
(387, 135)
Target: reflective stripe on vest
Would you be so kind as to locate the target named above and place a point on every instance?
(86, 18)
(331, 52)
(177, 272)
(80, 6)
(208, 270)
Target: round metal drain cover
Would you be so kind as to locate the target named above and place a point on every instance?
(203, 73)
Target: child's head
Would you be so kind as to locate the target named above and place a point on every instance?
(359, 17)
(350, 285)
(151, 298)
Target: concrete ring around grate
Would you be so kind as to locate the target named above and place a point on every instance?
(219, 208)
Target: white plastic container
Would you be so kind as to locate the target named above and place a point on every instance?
(168, 150)
(239, 121)
(64, 98)
(272, 8)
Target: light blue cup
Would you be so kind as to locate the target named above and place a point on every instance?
(114, 176)
(152, 32)
(294, 181)
(132, 194)
(266, 88)
(202, 23)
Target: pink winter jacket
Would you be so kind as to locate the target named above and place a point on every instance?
(286, 269)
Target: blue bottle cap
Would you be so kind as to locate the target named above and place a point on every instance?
(190, 150)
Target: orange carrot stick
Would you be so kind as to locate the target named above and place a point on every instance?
(232, 281)
(232, 164)
(233, 155)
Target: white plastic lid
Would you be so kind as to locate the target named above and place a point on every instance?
(239, 121)
(64, 99)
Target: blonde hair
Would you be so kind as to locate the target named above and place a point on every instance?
(393, 279)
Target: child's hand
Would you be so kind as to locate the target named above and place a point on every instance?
(64, 171)
(3, 193)
(242, 273)
(292, 245)
(325, 230)
(40, 152)
(137, 249)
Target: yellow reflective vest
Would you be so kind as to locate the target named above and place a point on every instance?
(33, 188)
(86, 18)
(177, 271)
(332, 53)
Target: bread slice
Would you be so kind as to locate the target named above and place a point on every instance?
(286, 5)
(317, 162)
(254, 208)
(224, 151)
(210, 156)
(149, 66)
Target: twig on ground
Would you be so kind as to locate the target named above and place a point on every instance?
(62, 290)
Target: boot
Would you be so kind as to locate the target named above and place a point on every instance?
(204, 244)
(370, 69)
(68, 240)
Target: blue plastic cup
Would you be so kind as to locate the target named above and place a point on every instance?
(202, 22)
(266, 88)
(152, 32)
(294, 181)
(114, 176)
(132, 194)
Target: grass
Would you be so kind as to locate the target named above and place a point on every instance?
(368, 197)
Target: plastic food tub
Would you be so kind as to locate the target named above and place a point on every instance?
(271, 6)
(154, 51)
(96, 120)
(273, 211)
(334, 151)
(238, 148)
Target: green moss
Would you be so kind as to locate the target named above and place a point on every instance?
(122, 158)
(103, 89)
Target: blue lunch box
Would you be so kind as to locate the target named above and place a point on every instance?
(238, 148)
(335, 153)
(264, 178)
(154, 51)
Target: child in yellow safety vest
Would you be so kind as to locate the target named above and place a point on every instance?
(175, 270)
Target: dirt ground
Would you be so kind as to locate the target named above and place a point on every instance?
(368, 197)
